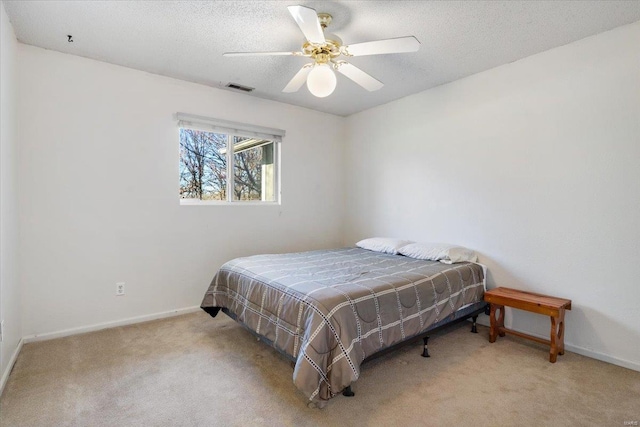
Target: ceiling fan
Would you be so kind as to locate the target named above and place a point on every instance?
(326, 49)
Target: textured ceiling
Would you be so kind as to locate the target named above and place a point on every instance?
(186, 39)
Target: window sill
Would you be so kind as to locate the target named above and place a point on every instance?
(195, 202)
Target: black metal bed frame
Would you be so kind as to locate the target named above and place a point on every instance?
(424, 336)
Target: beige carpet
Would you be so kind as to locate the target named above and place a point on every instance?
(194, 370)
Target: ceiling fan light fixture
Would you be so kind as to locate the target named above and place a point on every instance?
(321, 81)
(325, 50)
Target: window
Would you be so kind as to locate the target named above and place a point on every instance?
(227, 162)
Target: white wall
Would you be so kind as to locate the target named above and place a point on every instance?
(534, 164)
(9, 287)
(99, 191)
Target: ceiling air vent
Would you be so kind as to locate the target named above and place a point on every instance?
(240, 87)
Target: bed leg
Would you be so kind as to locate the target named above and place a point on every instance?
(473, 326)
(425, 351)
(348, 392)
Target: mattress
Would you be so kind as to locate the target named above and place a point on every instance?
(330, 309)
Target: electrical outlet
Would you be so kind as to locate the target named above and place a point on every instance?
(119, 288)
(1, 330)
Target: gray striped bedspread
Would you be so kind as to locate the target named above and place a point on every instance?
(330, 309)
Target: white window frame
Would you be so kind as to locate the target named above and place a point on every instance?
(231, 129)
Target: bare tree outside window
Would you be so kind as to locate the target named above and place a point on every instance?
(203, 168)
(204, 161)
(253, 169)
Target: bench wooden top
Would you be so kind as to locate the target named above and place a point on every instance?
(529, 301)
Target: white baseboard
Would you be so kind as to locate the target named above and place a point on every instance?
(484, 320)
(12, 361)
(106, 325)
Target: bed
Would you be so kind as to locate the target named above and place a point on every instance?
(329, 311)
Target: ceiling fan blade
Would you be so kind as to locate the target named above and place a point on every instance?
(359, 76)
(298, 80)
(262, 54)
(398, 45)
(307, 20)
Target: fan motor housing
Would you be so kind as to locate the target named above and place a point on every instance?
(323, 53)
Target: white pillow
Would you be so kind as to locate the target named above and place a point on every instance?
(386, 245)
(442, 252)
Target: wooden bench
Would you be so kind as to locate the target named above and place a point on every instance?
(536, 303)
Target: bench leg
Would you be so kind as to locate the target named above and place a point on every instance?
(561, 333)
(496, 322)
(554, 340)
(557, 336)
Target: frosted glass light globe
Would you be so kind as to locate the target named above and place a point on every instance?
(321, 81)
